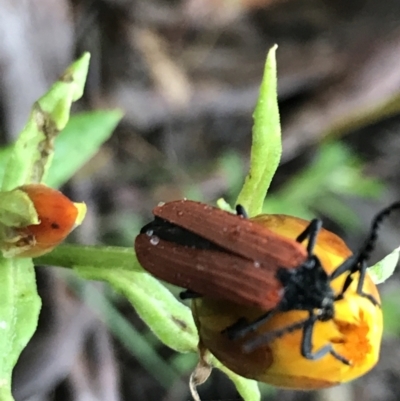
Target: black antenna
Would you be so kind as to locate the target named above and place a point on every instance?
(370, 242)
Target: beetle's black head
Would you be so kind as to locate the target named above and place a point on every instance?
(171, 232)
(307, 287)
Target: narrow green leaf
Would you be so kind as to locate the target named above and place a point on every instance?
(127, 334)
(33, 151)
(247, 388)
(224, 205)
(169, 319)
(16, 210)
(381, 271)
(79, 141)
(5, 153)
(266, 146)
(19, 312)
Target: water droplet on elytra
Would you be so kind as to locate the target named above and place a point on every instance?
(154, 240)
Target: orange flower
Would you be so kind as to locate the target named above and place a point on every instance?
(355, 332)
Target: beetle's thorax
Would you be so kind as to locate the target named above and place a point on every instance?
(307, 287)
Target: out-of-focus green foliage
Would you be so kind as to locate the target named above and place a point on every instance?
(335, 173)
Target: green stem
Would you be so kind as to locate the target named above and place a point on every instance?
(69, 256)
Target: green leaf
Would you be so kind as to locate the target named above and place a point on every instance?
(33, 151)
(170, 320)
(5, 153)
(381, 271)
(247, 388)
(224, 205)
(79, 141)
(130, 338)
(19, 312)
(266, 146)
(16, 210)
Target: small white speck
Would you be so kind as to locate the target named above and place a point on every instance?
(200, 267)
(154, 240)
(160, 204)
(3, 325)
(180, 213)
(256, 264)
(149, 233)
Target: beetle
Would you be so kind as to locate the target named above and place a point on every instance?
(207, 251)
(228, 257)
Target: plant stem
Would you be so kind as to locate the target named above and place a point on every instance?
(69, 256)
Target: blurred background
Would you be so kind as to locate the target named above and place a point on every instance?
(186, 74)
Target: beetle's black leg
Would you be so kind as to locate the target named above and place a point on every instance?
(241, 211)
(348, 266)
(306, 343)
(189, 294)
(311, 232)
(363, 272)
(346, 285)
(351, 265)
(243, 326)
(260, 340)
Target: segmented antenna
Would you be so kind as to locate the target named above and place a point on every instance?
(370, 242)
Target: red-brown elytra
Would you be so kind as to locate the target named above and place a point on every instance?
(215, 253)
(224, 256)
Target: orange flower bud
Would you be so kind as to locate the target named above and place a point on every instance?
(355, 331)
(58, 216)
